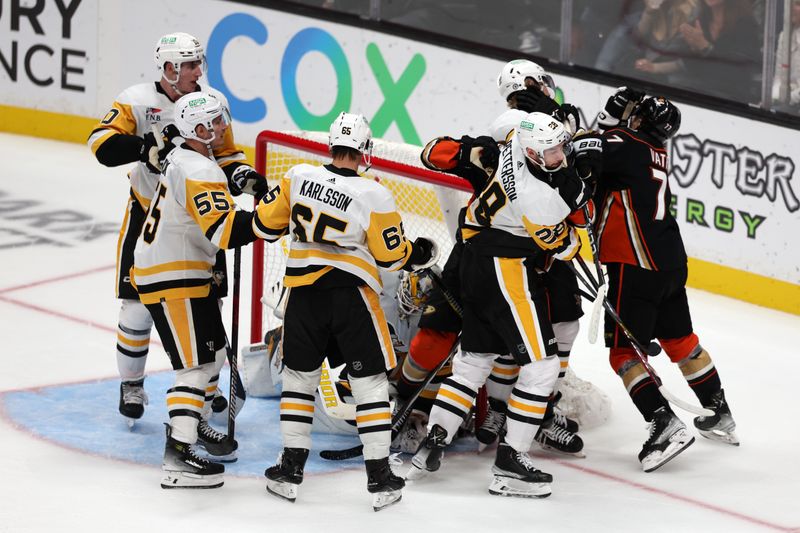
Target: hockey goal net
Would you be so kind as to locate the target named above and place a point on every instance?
(428, 202)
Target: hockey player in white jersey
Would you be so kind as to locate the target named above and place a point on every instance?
(343, 228)
(511, 231)
(124, 136)
(191, 217)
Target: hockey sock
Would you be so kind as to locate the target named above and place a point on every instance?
(133, 339)
(701, 375)
(373, 415)
(457, 393)
(502, 378)
(297, 407)
(528, 401)
(185, 401)
(640, 386)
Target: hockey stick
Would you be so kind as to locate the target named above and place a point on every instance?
(399, 417)
(641, 355)
(234, 347)
(590, 283)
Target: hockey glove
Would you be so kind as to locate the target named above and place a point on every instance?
(148, 153)
(532, 99)
(619, 107)
(424, 254)
(588, 146)
(244, 179)
(572, 117)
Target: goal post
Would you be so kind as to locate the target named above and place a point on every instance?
(428, 201)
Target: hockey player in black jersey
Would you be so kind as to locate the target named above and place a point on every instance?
(641, 246)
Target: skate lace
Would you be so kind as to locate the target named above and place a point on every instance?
(525, 460)
(560, 420)
(494, 421)
(210, 433)
(134, 394)
(559, 434)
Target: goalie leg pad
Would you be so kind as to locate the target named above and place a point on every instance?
(373, 414)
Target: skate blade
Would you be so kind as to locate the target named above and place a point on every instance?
(382, 500)
(728, 437)
(131, 422)
(281, 489)
(516, 488)
(185, 480)
(673, 450)
(579, 455)
(416, 473)
(225, 459)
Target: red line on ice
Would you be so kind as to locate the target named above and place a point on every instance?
(57, 278)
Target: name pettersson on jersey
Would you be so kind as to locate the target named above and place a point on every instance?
(320, 193)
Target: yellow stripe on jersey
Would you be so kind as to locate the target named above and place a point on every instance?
(228, 153)
(311, 253)
(143, 201)
(173, 266)
(305, 279)
(119, 119)
(273, 211)
(386, 241)
(178, 293)
(513, 283)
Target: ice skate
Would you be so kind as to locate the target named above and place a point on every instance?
(383, 484)
(492, 425)
(668, 438)
(132, 399)
(721, 426)
(185, 470)
(515, 475)
(556, 438)
(284, 478)
(429, 456)
(216, 444)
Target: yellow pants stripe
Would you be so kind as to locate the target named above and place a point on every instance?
(513, 280)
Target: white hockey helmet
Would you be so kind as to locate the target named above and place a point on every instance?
(352, 130)
(177, 48)
(197, 108)
(512, 78)
(541, 133)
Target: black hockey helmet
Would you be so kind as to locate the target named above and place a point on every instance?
(660, 117)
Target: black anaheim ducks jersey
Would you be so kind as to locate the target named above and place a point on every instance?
(635, 225)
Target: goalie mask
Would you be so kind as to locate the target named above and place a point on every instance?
(544, 140)
(512, 78)
(178, 48)
(660, 117)
(199, 108)
(352, 131)
(414, 292)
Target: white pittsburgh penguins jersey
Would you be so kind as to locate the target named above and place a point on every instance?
(520, 205)
(504, 124)
(402, 328)
(190, 219)
(337, 219)
(132, 113)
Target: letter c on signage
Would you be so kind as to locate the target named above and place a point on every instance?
(224, 32)
(310, 40)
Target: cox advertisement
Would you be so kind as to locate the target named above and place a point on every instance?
(734, 181)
